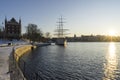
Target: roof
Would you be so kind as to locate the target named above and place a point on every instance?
(13, 21)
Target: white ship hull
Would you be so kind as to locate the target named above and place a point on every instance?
(61, 41)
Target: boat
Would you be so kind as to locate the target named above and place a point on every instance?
(60, 40)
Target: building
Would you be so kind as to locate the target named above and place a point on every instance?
(12, 29)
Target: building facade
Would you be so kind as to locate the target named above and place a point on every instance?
(12, 29)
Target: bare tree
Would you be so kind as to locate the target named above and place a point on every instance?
(47, 34)
(33, 33)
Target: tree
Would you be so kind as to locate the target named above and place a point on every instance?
(47, 34)
(33, 33)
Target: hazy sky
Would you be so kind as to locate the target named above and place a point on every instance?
(81, 16)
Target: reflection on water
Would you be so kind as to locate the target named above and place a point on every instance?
(77, 61)
(111, 64)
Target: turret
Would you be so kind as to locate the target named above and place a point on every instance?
(20, 25)
(5, 20)
(20, 21)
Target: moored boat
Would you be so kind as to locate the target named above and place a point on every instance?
(60, 33)
(61, 41)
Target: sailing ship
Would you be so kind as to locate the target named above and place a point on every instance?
(60, 32)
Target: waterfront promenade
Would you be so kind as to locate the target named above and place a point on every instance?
(9, 70)
(6, 61)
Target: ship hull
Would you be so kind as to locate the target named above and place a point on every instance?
(61, 41)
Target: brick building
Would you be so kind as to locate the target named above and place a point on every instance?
(12, 29)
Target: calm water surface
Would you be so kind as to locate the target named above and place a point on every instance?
(77, 61)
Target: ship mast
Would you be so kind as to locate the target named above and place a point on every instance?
(60, 31)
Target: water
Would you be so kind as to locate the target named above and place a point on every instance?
(77, 61)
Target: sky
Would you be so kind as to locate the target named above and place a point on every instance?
(82, 17)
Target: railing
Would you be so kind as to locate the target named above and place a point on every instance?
(25, 69)
(20, 66)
